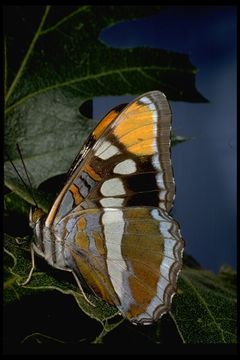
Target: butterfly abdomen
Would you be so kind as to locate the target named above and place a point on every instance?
(49, 245)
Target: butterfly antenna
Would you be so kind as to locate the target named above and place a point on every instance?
(30, 184)
(26, 172)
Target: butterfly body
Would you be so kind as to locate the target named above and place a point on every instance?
(110, 224)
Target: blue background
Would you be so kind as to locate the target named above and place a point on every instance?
(205, 166)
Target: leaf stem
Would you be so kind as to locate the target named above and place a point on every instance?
(62, 21)
(178, 329)
(106, 329)
(12, 256)
(38, 334)
(28, 53)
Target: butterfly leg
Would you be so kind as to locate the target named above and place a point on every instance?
(81, 289)
(32, 268)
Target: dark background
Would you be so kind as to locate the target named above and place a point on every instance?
(205, 166)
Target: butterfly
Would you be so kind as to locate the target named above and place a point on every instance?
(110, 224)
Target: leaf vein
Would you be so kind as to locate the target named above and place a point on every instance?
(86, 78)
(63, 20)
(206, 306)
(27, 56)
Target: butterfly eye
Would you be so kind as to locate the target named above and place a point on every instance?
(34, 216)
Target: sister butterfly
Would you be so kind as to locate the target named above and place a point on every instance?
(110, 224)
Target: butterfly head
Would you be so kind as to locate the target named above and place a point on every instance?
(35, 215)
(36, 221)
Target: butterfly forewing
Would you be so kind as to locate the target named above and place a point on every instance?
(70, 195)
(128, 163)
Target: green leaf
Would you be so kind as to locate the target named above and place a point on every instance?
(13, 202)
(203, 311)
(17, 267)
(20, 197)
(63, 66)
(52, 70)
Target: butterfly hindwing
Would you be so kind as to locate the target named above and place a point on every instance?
(128, 256)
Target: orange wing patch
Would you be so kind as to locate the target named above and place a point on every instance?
(81, 238)
(137, 129)
(104, 123)
(76, 194)
(91, 172)
(108, 119)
